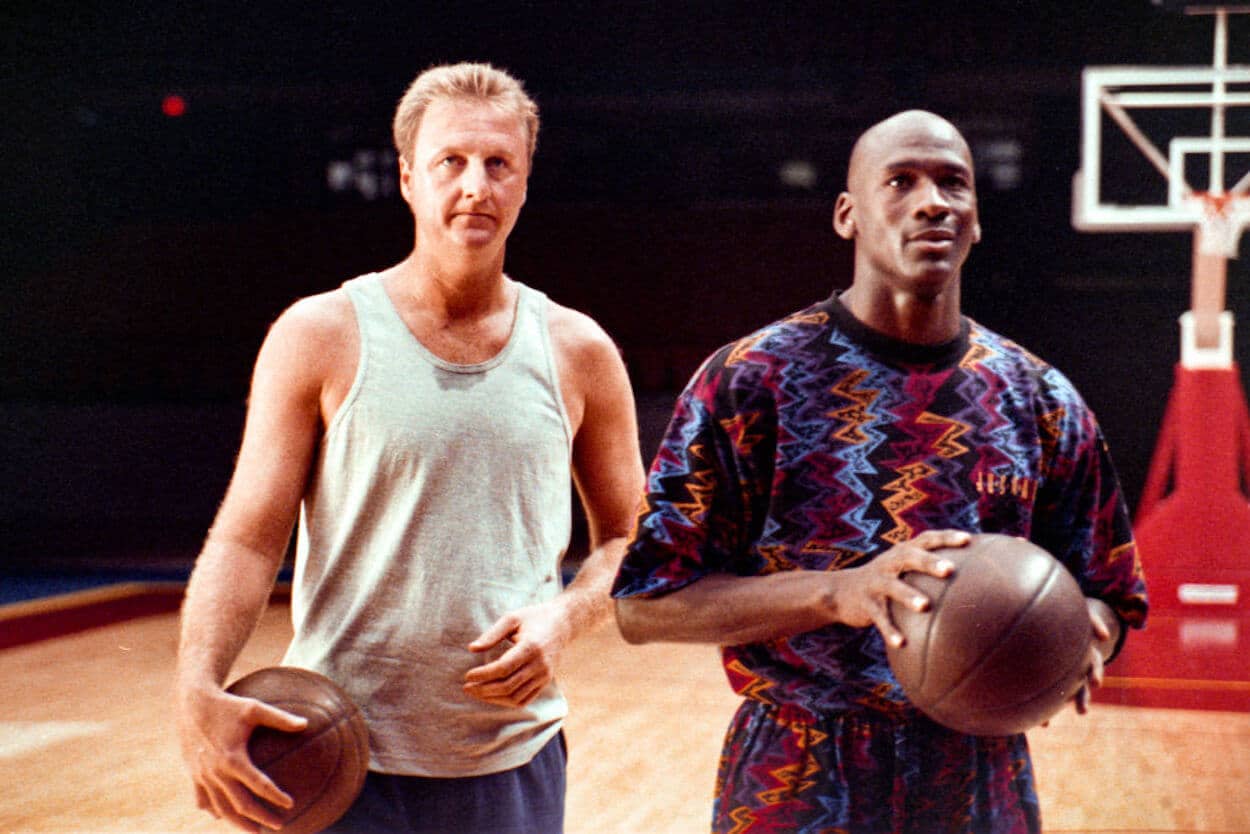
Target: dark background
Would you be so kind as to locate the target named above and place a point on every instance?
(143, 256)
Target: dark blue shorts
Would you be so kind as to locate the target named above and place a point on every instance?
(526, 800)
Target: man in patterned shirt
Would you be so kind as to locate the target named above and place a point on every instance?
(810, 464)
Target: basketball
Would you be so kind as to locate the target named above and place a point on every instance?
(1004, 643)
(323, 767)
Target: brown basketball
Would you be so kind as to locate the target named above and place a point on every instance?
(323, 767)
(1002, 647)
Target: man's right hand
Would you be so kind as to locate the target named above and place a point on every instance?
(863, 593)
(213, 729)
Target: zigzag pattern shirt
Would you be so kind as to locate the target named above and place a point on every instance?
(816, 443)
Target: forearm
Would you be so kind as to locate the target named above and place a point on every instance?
(732, 610)
(587, 599)
(226, 596)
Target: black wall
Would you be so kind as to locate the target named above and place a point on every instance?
(145, 256)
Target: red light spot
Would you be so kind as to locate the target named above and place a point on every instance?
(173, 106)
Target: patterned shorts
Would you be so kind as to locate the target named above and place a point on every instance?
(867, 772)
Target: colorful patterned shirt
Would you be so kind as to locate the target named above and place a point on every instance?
(816, 443)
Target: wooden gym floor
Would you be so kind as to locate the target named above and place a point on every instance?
(86, 742)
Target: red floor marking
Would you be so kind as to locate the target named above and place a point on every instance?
(59, 616)
(1183, 662)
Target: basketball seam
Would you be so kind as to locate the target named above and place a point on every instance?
(1005, 633)
(1038, 694)
(326, 778)
(928, 636)
(336, 722)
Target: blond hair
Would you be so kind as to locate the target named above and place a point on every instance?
(479, 82)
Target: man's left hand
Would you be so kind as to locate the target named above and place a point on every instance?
(1102, 621)
(534, 637)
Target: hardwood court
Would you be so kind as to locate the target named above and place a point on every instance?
(86, 743)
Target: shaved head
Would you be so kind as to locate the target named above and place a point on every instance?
(897, 131)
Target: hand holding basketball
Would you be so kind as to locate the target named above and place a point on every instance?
(323, 766)
(865, 594)
(214, 727)
(1105, 635)
(1005, 643)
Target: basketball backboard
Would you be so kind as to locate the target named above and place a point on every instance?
(1163, 148)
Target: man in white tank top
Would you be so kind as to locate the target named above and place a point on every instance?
(422, 424)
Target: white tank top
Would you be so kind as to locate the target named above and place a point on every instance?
(440, 499)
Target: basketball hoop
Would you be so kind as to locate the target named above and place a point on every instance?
(1160, 111)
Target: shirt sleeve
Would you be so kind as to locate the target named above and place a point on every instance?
(1082, 517)
(697, 507)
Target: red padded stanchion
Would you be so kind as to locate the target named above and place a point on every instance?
(1193, 523)
(1193, 534)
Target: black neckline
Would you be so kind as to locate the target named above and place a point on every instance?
(896, 350)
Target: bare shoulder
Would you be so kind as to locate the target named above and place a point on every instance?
(313, 330)
(326, 316)
(593, 377)
(577, 336)
(607, 463)
(312, 347)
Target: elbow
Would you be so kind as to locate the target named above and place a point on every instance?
(630, 622)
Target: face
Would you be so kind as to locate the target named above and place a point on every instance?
(467, 179)
(910, 204)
